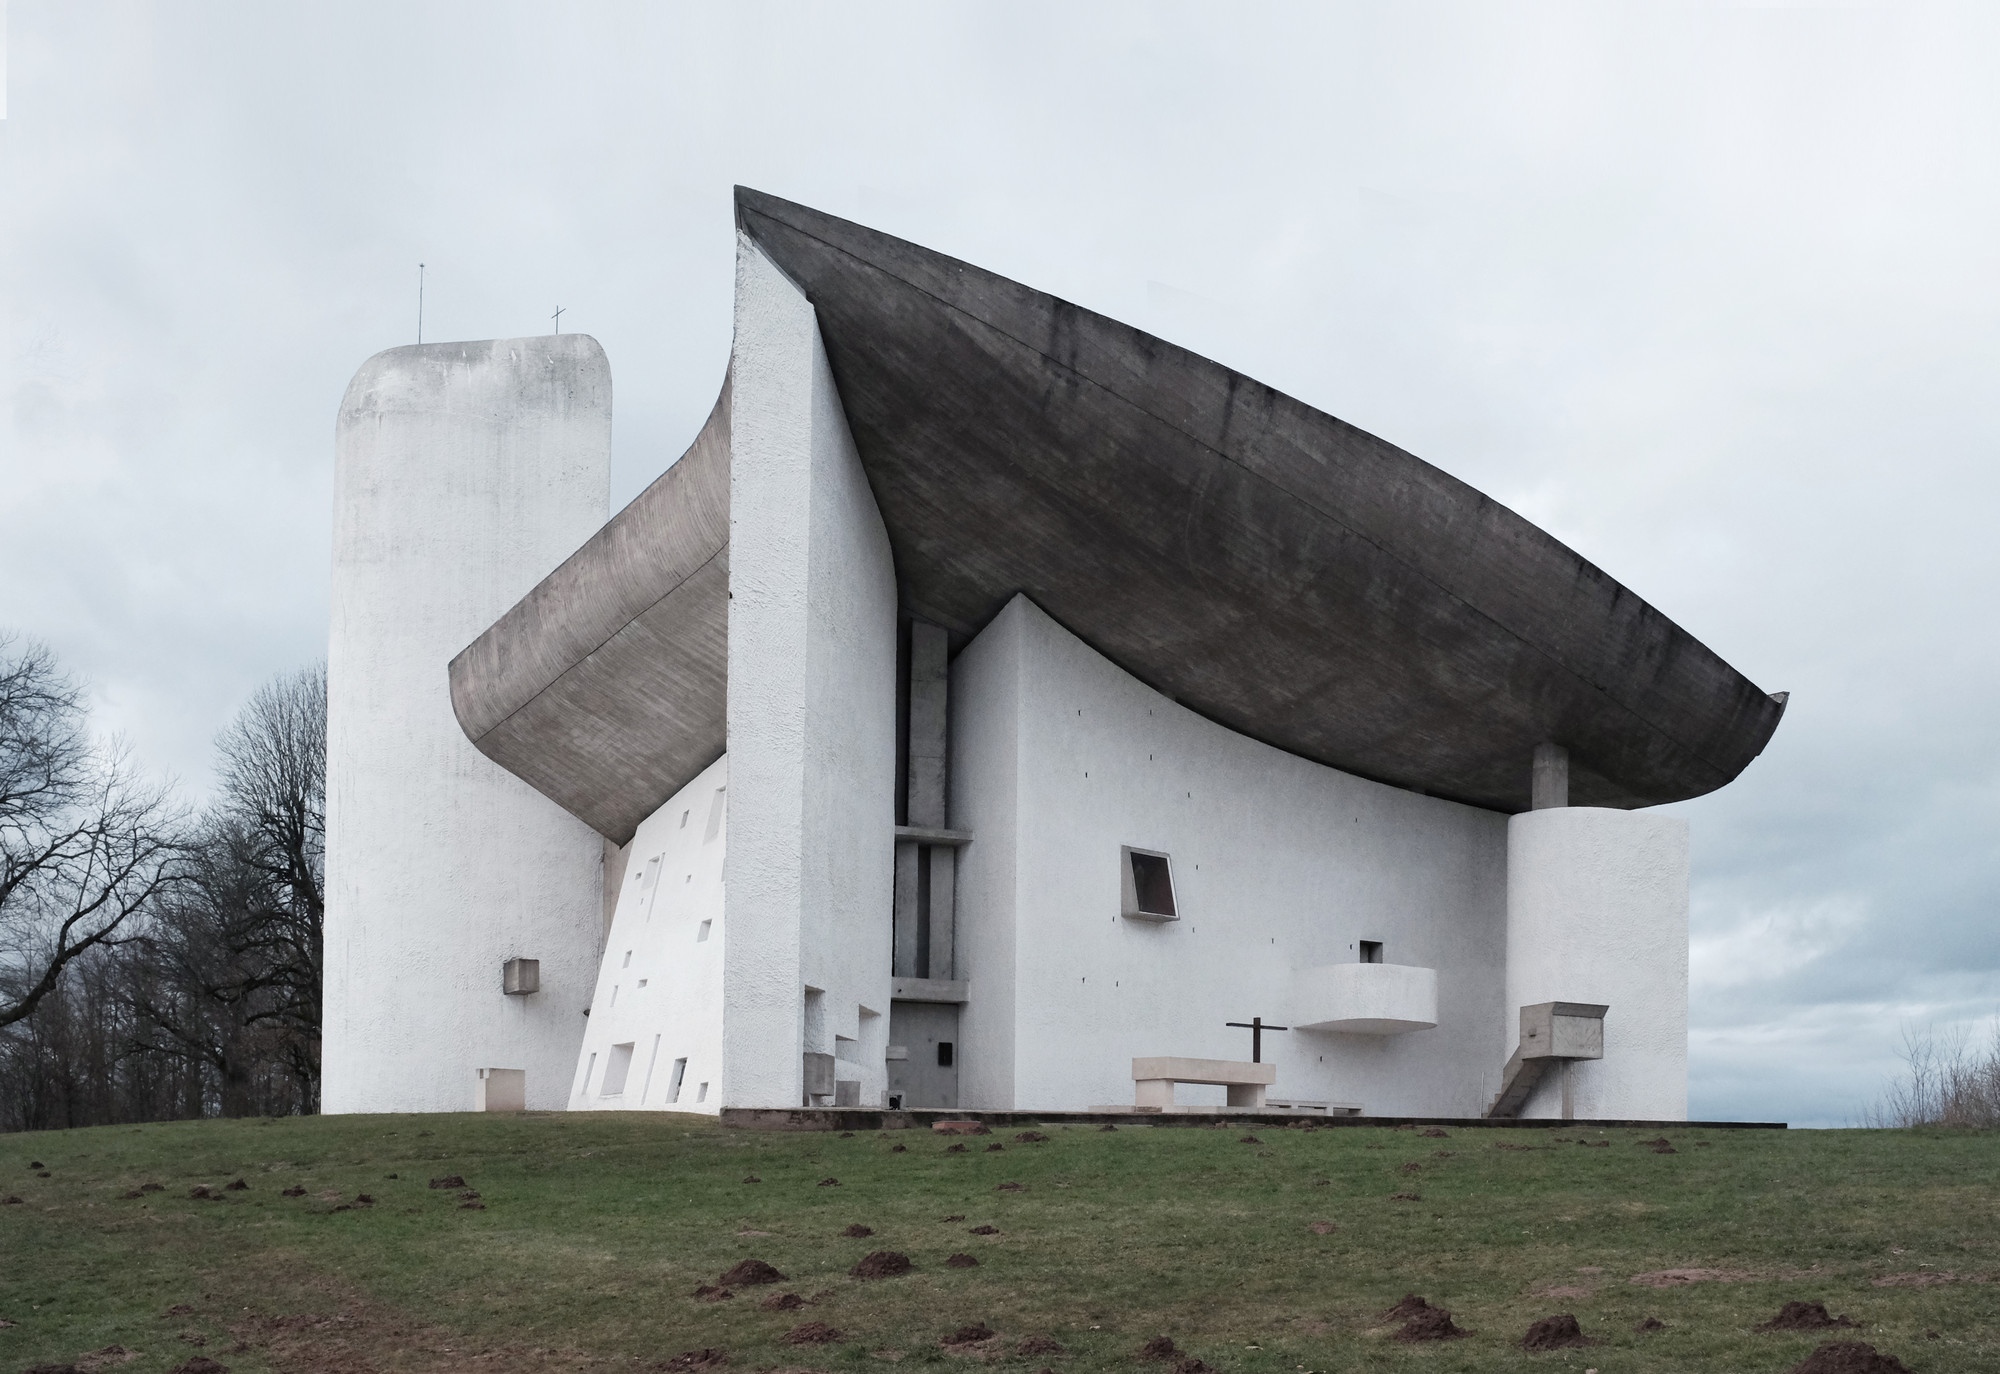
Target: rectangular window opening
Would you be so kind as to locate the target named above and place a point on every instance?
(944, 1054)
(647, 1087)
(674, 1083)
(1371, 951)
(1148, 881)
(715, 807)
(701, 1093)
(617, 1067)
(701, 933)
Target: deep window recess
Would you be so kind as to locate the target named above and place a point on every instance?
(944, 1054)
(1149, 886)
(616, 1068)
(674, 1083)
(1371, 951)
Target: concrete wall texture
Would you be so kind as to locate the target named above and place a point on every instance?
(1279, 864)
(1597, 911)
(811, 714)
(463, 473)
(658, 1002)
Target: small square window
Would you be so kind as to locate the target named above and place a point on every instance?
(944, 1054)
(1147, 878)
(702, 934)
(1371, 951)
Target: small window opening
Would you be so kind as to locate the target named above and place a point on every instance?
(944, 1054)
(651, 1059)
(628, 960)
(1149, 886)
(701, 1093)
(642, 982)
(616, 1069)
(1371, 951)
(702, 934)
(684, 820)
(674, 1083)
(715, 807)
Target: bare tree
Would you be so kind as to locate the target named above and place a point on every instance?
(85, 845)
(1946, 1081)
(240, 941)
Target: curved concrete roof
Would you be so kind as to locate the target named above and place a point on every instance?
(1262, 563)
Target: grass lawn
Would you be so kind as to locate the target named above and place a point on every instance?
(596, 1230)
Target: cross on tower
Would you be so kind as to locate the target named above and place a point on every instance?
(1255, 1025)
(557, 317)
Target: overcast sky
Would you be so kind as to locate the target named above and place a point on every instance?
(1709, 291)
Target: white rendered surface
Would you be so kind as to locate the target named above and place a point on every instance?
(1280, 865)
(463, 473)
(1365, 999)
(1597, 911)
(659, 988)
(812, 716)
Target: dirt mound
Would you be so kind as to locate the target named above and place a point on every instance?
(237, 1186)
(1249, 1140)
(1011, 1188)
(969, 1335)
(752, 1178)
(858, 1232)
(1411, 1168)
(829, 1183)
(448, 1181)
(694, 1361)
(1431, 1324)
(180, 1309)
(1651, 1324)
(748, 1274)
(294, 1191)
(955, 1216)
(961, 1262)
(1322, 1228)
(982, 1230)
(995, 1148)
(1559, 1332)
(1188, 1364)
(1409, 1306)
(1849, 1357)
(200, 1190)
(708, 1292)
(200, 1364)
(1406, 1197)
(812, 1333)
(1805, 1316)
(152, 1187)
(51, 1369)
(954, 1149)
(1107, 1126)
(1158, 1348)
(1031, 1138)
(960, 1128)
(882, 1264)
(782, 1302)
(899, 1149)
(1434, 1133)
(1039, 1345)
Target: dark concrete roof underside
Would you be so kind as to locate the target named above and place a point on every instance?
(1268, 566)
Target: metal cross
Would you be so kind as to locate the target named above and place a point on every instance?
(1255, 1025)
(557, 317)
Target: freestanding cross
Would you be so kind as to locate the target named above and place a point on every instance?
(557, 317)
(1255, 1025)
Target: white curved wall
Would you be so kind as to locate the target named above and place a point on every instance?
(464, 472)
(1060, 758)
(1597, 911)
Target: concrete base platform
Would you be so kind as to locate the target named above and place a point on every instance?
(872, 1119)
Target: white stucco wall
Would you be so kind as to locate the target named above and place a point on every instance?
(463, 473)
(811, 713)
(1280, 865)
(659, 988)
(1597, 911)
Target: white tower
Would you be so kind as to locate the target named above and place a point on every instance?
(463, 474)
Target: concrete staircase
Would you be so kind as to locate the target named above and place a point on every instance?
(1552, 1034)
